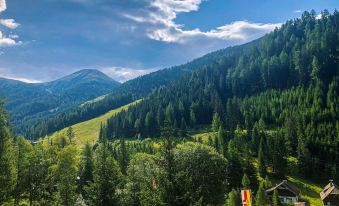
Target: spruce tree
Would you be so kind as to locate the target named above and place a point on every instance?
(24, 148)
(86, 168)
(275, 199)
(124, 156)
(233, 198)
(261, 160)
(167, 163)
(216, 122)
(7, 163)
(261, 199)
(66, 174)
(245, 182)
(106, 178)
(70, 134)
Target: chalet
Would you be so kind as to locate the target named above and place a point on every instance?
(288, 193)
(330, 194)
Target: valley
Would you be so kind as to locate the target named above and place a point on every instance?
(253, 124)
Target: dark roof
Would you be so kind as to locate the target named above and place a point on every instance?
(330, 189)
(284, 185)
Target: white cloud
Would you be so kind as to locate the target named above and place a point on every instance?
(238, 30)
(297, 11)
(122, 74)
(9, 23)
(7, 41)
(3, 6)
(160, 15)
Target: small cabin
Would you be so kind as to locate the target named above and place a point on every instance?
(288, 193)
(330, 194)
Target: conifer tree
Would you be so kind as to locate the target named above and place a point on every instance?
(261, 160)
(245, 182)
(86, 168)
(167, 163)
(70, 134)
(7, 163)
(261, 199)
(216, 122)
(66, 174)
(233, 198)
(124, 156)
(275, 198)
(106, 178)
(22, 168)
(222, 141)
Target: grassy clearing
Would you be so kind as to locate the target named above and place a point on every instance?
(88, 131)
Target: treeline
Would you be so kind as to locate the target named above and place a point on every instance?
(165, 172)
(173, 170)
(126, 93)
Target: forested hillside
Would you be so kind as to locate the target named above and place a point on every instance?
(126, 93)
(246, 117)
(31, 102)
(287, 78)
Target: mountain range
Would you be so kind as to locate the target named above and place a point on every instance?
(26, 101)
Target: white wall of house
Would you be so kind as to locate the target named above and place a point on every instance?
(285, 199)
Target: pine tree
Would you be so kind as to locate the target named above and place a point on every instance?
(66, 174)
(315, 69)
(278, 154)
(222, 141)
(22, 168)
(234, 198)
(7, 163)
(124, 156)
(86, 168)
(261, 160)
(216, 122)
(106, 178)
(275, 198)
(183, 127)
(234, 166)
(39, 175)
(70, 134)
(261, 199)
(167, 163)
(245, 182)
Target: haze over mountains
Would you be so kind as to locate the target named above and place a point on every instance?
(27, 101)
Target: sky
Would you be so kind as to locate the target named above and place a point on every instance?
(43, 40)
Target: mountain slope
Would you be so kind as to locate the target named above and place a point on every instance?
(286, 58)
(34, 101)
(126, 93)
(88, 131)
(286, 81)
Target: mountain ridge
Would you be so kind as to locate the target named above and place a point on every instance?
(29, 100)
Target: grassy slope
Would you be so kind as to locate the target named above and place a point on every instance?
(309, 190)
(88, 131)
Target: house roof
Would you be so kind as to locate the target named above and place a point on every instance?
(285, 185)
(330, 189)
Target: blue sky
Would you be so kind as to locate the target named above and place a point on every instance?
(42, 40)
